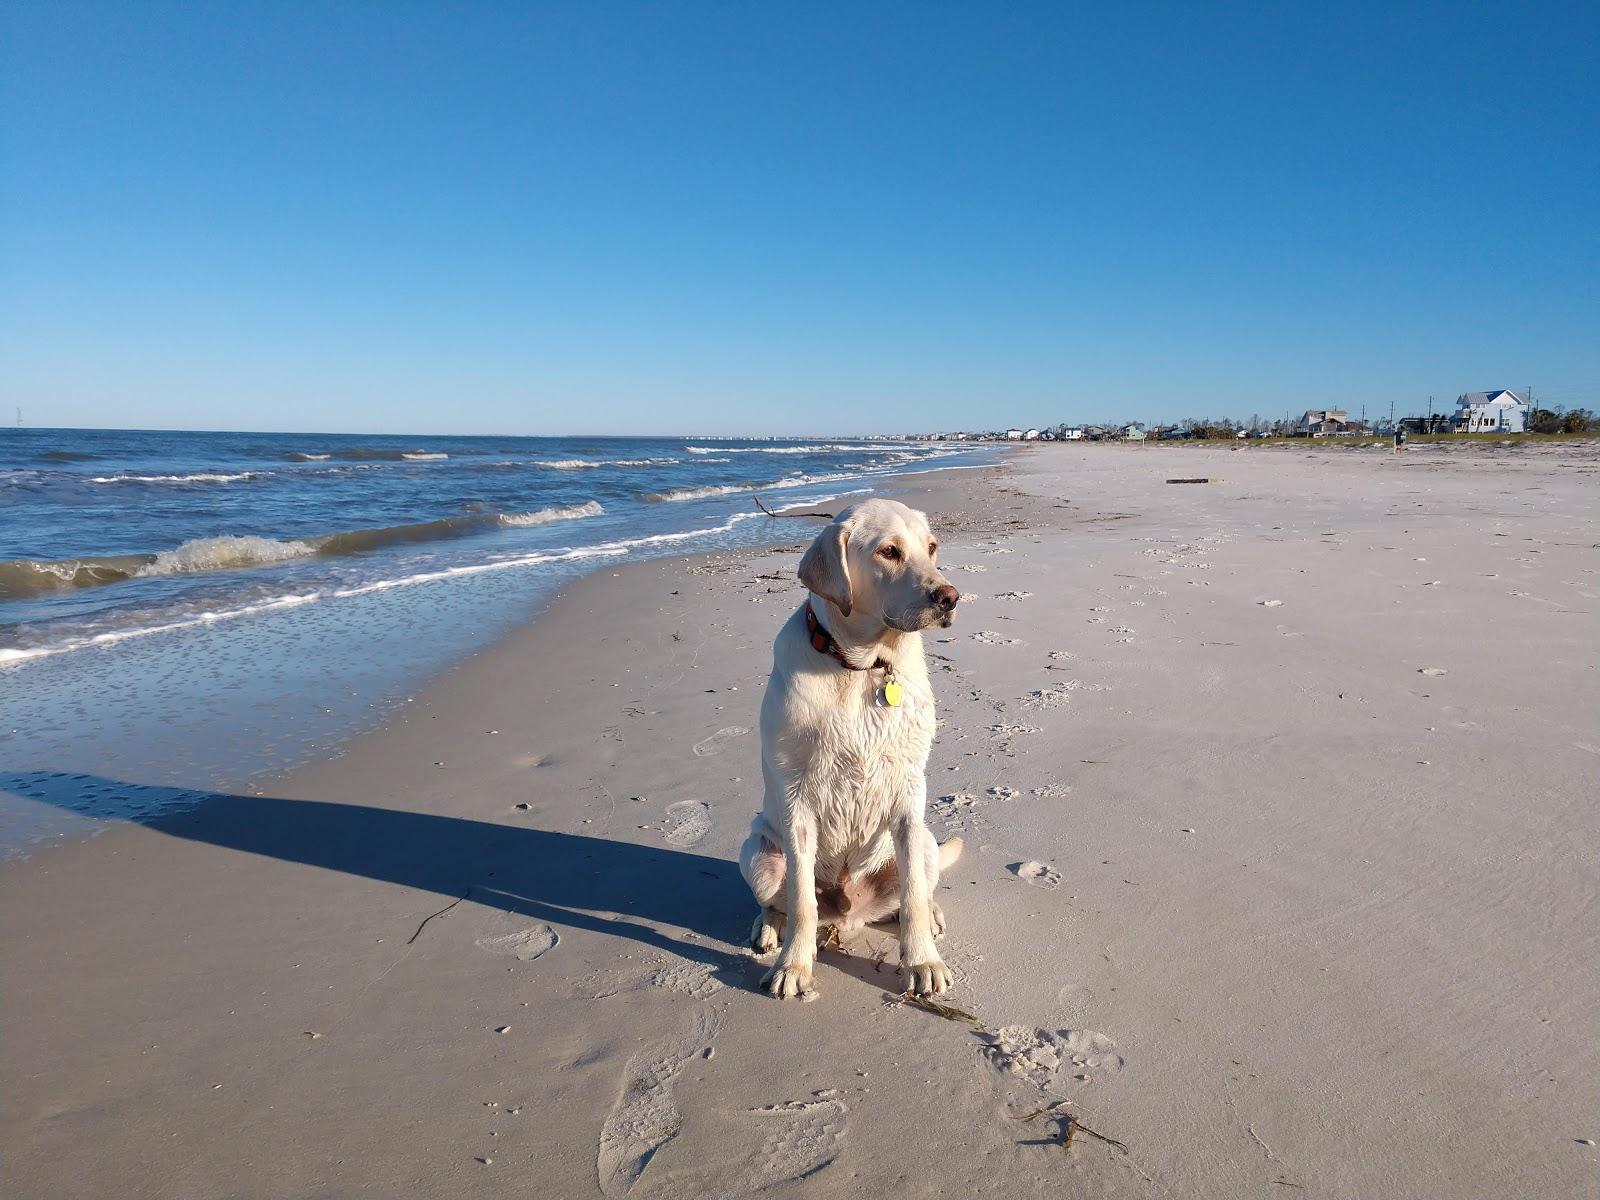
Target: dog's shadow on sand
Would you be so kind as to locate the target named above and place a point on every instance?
(683, 903)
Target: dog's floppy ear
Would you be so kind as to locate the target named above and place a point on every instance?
(823, 568)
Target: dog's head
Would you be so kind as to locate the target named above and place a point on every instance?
(879, 559)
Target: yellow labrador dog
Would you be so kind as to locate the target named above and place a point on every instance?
(846, 726)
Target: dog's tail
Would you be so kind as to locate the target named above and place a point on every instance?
(949, 852)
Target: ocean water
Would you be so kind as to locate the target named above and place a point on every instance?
(193, 610)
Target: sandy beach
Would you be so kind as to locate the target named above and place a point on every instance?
(1280, 878)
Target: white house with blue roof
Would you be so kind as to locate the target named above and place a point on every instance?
(1502, 411)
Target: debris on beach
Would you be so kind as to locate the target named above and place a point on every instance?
(948, 1011)
(1433, 671)
(1195, 480)
(1072, 1125)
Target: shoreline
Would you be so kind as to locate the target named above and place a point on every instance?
(277, 696)
(1203, 859)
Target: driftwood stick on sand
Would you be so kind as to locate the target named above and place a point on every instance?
(824, 516)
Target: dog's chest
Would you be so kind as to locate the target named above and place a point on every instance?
(866, 756)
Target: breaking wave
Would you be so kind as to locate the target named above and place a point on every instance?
(197, 477)
(813, 448)
(364, 453)
(584, 464)
(590, 508)
(20, 578)
(728, 489)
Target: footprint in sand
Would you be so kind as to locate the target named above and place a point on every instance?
(525, 944)
(645, 1116)
(990, 638)
(1005, 733)
(799, 1138)
(1001, 791)
(1040, 1055)
(1057, 694)
(1036, 873)
(957, 813)
(690, 978)
(1013, 595)
(714, 743)
(687, 822)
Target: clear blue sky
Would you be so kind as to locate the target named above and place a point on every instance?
(757, 218)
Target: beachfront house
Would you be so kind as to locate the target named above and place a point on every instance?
(1133, 433)
(1013, 435)
(1491, 412)
(1031, 435)
(1319, 422)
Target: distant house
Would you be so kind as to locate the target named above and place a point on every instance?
(1319, 422)
(1031, 435)
(1072, 434)
(1013, 435)
(1491, 412)
(1134, 433)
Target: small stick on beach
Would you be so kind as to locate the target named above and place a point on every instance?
(947, 1011)
(770, 513)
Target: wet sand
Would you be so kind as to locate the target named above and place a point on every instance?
(1277, 793)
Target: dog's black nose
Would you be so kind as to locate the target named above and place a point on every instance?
(945, 596)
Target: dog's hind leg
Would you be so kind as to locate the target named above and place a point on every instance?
(762, 864)
(940, 858)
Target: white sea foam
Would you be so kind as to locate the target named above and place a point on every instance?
(676, 495)
(589, 508)
(587, 464)
(815, 448)
(423, 456)
(197, 477)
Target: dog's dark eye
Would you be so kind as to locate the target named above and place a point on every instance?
(891, 552)
(933, 549)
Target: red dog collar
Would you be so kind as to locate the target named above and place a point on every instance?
(822, 642)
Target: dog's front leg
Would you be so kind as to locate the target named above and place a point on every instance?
(791, 975)
(924, 970)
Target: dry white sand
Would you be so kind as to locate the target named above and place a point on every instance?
(1278, 795)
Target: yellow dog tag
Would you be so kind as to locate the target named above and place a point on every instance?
(891, 693)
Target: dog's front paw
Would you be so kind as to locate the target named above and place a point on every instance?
(790, 979)
(928, 978)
